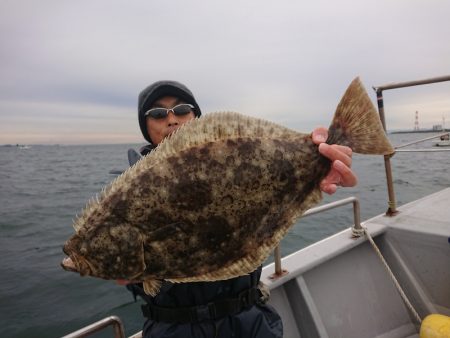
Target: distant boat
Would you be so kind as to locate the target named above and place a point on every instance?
(23, 146)
(443, 142)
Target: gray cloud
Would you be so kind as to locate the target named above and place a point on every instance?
(286, 61)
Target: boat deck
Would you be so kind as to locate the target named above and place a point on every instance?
(338, 287)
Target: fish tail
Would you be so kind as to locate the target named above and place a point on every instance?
(152, 286)
(356, 123)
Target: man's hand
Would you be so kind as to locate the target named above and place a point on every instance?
(341, 158)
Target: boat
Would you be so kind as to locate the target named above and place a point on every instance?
(339, 287)
(444, 141)
(442, 144)
(386, 277)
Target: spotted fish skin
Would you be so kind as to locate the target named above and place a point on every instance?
(213, 200)
(220, 203)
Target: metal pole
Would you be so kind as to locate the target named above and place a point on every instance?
(421, 150)
(277, 257)
(392, 205)
(380, 104)
(356, 215)
(279, 271)
(412, 83)
(100, 325)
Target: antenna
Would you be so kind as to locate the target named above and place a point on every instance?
(416, 121)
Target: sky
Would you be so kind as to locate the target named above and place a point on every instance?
(71, 71)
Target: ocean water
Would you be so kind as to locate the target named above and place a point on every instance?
(43, 187)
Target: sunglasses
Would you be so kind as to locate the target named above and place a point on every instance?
(161, 113)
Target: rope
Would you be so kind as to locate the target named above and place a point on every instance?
(357, 232)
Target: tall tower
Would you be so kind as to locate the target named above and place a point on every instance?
(416, 121)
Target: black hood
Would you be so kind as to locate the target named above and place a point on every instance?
(157, 90)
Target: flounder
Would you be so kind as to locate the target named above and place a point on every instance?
(214, 199)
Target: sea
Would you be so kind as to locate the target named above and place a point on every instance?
(43, 187)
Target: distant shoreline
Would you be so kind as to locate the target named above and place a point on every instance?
(417, 131)
(8, 145)
(139, 144)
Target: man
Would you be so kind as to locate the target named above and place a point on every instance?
(229, 308)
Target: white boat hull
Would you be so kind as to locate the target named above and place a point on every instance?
(442, 144)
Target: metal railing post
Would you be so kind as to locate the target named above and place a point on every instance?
(100, 325)
(279, 271)
(392, 204)
(356, 214)
(392, 209)
(277, 259)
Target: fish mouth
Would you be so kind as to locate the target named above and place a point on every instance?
(74, 261)
(68, 264)
(78, 264)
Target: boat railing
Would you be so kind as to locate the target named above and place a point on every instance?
(392, 208)
(98, 326)
(356, 227)
(392, 205)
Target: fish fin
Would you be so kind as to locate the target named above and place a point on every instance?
(357, 124)
(76, 224)
(152, 286)
(217, 126)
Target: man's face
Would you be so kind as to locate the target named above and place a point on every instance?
(158, 129)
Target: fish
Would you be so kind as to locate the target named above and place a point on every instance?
(213, 199)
